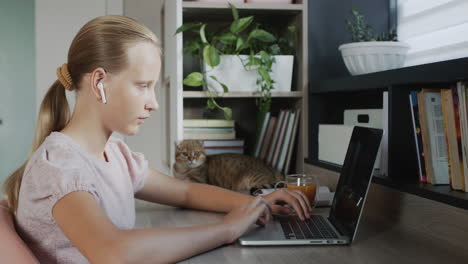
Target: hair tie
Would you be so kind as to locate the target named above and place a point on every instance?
(64, 77)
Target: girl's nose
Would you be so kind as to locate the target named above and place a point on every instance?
(153, 105)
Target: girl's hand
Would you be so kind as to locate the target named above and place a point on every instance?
(239, 219)
(294, 198)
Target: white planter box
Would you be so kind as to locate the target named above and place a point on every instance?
(231, 72)
(373, 56)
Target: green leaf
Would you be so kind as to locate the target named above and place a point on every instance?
(227, 38)
(239, 43)
(210, 104)
(227, 113)
(202, 34)
(235, 14)
(194, 79)
(254, 61)
(264, 74)
(211, 55)
(262, 35)
(191, 46)
(275, 49)
(185, 27)
(225, 88)
(240, 24)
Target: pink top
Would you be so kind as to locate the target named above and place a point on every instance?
(61, 166)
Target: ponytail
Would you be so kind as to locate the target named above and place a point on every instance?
(53, 116)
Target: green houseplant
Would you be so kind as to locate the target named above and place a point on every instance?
(254, 46)
(371, 52)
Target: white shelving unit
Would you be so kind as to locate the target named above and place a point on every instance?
(190, 104)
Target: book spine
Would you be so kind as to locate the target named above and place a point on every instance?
(458, 131)
(267, 142)
(262, 135)
(425, 139)
(417, 135)
(287, 139)
(437, 138)
(293, 140)
(279, 144)
(275, 137)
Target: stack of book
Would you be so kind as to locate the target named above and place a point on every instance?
(440, 125)
(209, 129)
(218, 135)
(220, 146)
(277, 137)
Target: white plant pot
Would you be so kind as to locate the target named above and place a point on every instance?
(373, 56)
(232, 73)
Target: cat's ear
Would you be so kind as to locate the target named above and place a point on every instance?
(201, 142)
(177, 143)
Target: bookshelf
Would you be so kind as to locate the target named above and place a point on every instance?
(189, 103)
(329, 98)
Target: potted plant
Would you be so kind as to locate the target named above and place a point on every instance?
(242, 55)
(371, 53)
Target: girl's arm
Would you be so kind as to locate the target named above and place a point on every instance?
(163, 189)
(81, 219)
(160, 188)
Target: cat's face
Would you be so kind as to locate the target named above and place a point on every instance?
(190, 153)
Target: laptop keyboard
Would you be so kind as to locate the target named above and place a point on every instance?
(314, 228)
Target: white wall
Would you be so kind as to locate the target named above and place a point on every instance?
(436, 30)
(151, 140)
(17, 79)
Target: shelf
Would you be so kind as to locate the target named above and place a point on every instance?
(242, 6)
(439, 193)
(437, 72)
(197, 94)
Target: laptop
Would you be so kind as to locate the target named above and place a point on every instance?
(339, 228)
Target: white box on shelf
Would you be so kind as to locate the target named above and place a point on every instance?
(333, 142)
(232, 73)
(363, 117)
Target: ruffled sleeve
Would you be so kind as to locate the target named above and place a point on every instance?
(136, 164)
(57, 173)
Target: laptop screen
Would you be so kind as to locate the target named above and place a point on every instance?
(355, 179)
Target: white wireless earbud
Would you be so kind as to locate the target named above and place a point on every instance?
(100, 86)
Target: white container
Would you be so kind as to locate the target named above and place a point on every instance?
(373, 56)
(232, 73)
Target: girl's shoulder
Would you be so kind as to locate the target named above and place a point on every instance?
(56, 153)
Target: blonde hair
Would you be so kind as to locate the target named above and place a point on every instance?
(102, 42)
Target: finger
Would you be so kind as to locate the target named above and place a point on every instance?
(302, 202)
(279, 209)
(260, 222)
(256, 202)
(292, 201)
(264, 202)
(306, 199)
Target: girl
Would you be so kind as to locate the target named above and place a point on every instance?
(73, 199)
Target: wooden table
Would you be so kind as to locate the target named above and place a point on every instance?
(377, 242)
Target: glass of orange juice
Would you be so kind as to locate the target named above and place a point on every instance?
(306, 183)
